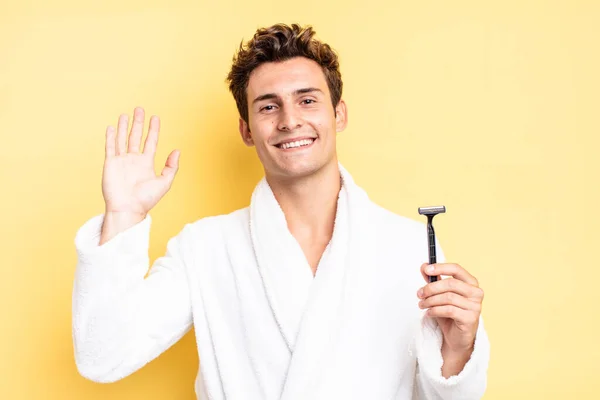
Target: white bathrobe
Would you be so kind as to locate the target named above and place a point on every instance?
(265, 327)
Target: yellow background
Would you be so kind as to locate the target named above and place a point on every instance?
(490, 108)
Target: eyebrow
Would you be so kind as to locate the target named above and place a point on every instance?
(269, 96)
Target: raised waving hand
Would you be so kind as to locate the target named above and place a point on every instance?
(130, 185)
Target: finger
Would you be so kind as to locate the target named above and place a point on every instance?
(110, 142)
(137, 130)
(423, 274)
(171, 167)
(450, 299)
(122, 134)
(455, 313)
(448, 269)
(152, 138)
(451, 285)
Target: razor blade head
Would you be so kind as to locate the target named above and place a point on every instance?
(432, 210)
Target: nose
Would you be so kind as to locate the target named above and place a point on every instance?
(290, 119)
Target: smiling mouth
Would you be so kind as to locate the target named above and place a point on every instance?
(296, 145)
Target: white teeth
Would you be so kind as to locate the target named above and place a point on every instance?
(298, 143)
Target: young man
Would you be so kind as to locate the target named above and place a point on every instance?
(311, 292)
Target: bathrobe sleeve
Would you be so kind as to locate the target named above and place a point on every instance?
(122, 320)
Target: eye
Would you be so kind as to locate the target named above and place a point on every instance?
(267, 108)
(308, 101)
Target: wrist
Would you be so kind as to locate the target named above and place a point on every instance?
(116, 222)
(454, 360)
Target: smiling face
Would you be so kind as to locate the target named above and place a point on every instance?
(291, 120)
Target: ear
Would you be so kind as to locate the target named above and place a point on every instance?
(245, 133)
(341, 116)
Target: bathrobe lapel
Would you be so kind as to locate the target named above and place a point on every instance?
(281, 262)
(334, 289)
(309, 310)
(321, 320)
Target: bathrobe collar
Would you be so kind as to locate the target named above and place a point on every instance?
(308, 310)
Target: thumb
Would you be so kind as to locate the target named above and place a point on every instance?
(171, 167)
(423, 274)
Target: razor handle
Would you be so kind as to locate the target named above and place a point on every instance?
(432, 255)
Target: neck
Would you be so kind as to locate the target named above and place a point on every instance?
(310, 203)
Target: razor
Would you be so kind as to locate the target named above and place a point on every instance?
(431, 212)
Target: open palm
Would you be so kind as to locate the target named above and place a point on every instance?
(129, 183)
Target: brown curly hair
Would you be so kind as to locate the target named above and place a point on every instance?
(281, 42)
